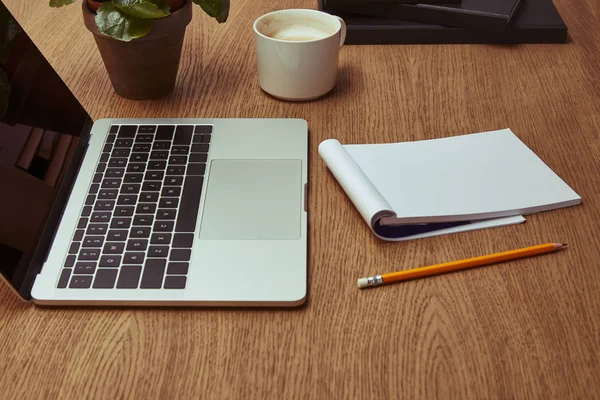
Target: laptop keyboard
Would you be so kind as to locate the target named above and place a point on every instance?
(136, 229)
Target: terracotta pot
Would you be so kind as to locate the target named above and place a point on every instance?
(173, 4)
(147, 67)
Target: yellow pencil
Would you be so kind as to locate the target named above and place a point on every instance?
(458, 265)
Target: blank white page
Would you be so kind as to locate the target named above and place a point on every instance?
(483, 175)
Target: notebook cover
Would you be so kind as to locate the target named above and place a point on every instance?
(466, 14)
(537, 21)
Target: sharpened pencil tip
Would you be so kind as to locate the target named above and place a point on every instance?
(565, 244)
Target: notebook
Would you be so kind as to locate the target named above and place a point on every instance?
(426, 188)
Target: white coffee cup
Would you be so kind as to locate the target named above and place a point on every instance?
(297, 52)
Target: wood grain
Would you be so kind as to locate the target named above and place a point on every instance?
(526, 329)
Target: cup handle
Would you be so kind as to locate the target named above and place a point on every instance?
(342, 31)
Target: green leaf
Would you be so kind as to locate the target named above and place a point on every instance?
(60, 3)
(113, 22)
(218, 9)
(4, 92)
(143, 9)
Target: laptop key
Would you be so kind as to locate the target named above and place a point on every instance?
(203, 129)
(80, 282)
(94, 188)
(144, 138)
(107, 148)
(78, 235)
(196, 168)
(183, 134)
(101, 216)
(147, 129)
(136, 167)
(114, 129)
(70, 261)
(168, 202)
(115, 172)
(140, 232)
(97, 229)
(108, 194)
(176, 170)
(157, 165)
(139, 157)
(190, 201)
(200, 148)
(93, 241)
(63, 281)
(131, 188)
(161, 145)
(104, 205)
(143, 220)
(117, 163)
(149, 197)
(168, 191)
(85, 268)
(151, 186)
(175, 282)
(134, 258)
(180, 255)
(154, 176)
(127, 199)
(127, 131)
(124, 211)
(166, 214)
(129, 277)
(124, 143)
(116, 235)
(89, 254)
(159, 155)
(197, 139)
(110, 183)
(198, 157)
(87, 211)
(104, 157)
(141, 148)
(133, 178)
(120, 223)
(121, 153)
(165, 132)
(178, 268)
(154, 271)
(90, 200)
(183, 240)
(82, 223)
(137, 244)
(74, 248)
(145, 208)
(110, 261)
(163, 226)
(174, 181)
(158, 251)
(101, 167)
(105, 279)
(177, 160)
(160, 238)
(180, 150)
(114, 248)
(97, 178)
(206, 138)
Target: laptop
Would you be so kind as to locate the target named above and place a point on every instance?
(159, 212)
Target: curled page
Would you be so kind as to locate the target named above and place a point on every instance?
(365, 197)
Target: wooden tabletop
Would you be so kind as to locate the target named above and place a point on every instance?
(525, 329)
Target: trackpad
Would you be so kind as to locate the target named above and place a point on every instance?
(253, 200)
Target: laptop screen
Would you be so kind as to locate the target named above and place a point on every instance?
(40, 125)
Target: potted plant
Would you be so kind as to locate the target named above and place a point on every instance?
(140, 41)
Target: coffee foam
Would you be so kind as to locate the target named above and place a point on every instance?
(298, 32)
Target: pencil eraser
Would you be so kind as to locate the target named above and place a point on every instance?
(362, 282)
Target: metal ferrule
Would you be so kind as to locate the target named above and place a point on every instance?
(374, 280)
